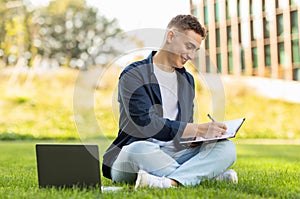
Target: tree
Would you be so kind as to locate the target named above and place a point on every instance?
(75, 35)
(12, 31)
(68, 32)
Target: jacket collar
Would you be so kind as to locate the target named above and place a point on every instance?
(154, 83)
(150, 61)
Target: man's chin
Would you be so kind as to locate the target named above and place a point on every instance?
(180, 66)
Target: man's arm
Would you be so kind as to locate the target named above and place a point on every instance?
(143, 109)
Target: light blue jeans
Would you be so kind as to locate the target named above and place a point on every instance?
(189, 166)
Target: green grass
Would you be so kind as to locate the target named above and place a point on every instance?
(43, 107)
(265, 171)
(39, 108)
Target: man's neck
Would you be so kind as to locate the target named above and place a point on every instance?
(161, 60)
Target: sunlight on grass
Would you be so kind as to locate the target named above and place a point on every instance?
(43, 107)
(265, 171)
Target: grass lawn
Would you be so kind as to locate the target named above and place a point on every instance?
(41, 106)
(265, 171)
(44, 107)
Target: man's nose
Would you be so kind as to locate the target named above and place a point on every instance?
(191, 55)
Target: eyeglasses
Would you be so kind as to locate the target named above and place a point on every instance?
(191, 47)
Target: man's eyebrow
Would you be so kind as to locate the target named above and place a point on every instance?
(193, 45)
(190, 43)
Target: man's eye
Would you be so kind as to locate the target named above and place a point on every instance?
(189, 47)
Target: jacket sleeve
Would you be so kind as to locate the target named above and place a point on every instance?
(143, 111)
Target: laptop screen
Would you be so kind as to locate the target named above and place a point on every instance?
(65, 165)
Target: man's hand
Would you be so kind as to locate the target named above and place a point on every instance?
(205, 130)
(211, 130)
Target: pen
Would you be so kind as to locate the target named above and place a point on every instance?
(211, 118)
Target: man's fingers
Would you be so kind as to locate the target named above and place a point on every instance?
(221, 125)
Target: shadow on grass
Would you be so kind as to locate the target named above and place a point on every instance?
(10, 136)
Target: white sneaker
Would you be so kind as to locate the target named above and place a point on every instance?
(145, 179)
(228, 176)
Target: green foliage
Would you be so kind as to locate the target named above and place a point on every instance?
(265, 171)
(68, 33)
(75, 34)
(21, 99)
(15, 136)
(13, 32)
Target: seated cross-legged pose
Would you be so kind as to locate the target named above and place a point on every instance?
(156, 111)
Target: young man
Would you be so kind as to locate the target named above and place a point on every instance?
(156, 111)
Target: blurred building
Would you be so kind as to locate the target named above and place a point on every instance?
(250, 37)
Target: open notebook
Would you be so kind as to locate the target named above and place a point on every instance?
(232, 128)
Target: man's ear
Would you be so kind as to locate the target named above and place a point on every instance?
(170, 35)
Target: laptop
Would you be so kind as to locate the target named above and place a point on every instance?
(69, 165)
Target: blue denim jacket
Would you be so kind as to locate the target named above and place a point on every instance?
(141, 113)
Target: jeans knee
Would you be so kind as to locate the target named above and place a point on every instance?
(141, 147)
(230, 150)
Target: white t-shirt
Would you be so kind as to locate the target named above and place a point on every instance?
(168, 88)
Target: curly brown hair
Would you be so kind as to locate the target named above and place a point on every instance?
(188, 22)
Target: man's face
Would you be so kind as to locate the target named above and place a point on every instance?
(183, 46)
